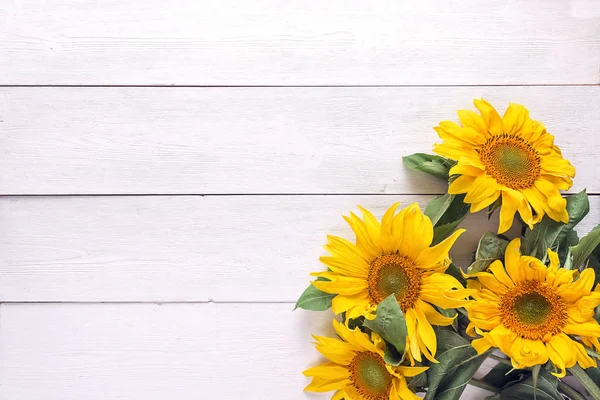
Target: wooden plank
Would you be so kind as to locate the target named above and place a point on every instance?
(159, 352)
(184, 248)
(256, 140)
(299, 42)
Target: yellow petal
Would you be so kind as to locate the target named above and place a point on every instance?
(341, 303)
(511, 200)
(364, 241)
(512, 260)
(490, 117)
(497, 268)
(483, 187)
(514, 118)
(342, 285)
(417, 232)
(431, 257)
(481, 345)
(425, 331)
(335, 350)
(433, 316)
(473, 120)
(462, 184)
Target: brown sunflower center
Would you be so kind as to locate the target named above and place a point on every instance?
(533, 310)
(511, 160)
(394, 274)
(370, 377)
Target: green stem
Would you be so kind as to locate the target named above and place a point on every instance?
(483, 385)
(569, 391)
(501, 360)
(586, 381)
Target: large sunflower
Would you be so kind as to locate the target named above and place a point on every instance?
(356, 370)
(394, 257)
(512, 157)
(532, 313)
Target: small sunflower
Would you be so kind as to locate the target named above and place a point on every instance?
(532, 313)
(356, 369)
(512, 158)
(394, 257)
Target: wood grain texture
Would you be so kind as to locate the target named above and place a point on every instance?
(160, 352)
(257, 140)
(299, 42)
(184, 248)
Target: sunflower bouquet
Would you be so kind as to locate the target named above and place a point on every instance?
(412, 324)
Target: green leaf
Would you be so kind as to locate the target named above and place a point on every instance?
(537, 241)
(526, 390)
(578, 206)
(451, 219)
(418, 381)
(458, 362)
(390, 324)
(392, 356)
(586, 247)
(502, 375)
(491, 248)
(437, 207)
(433, 165)
(546, 234)
(566, 240)
(586, 380)
(314, 299)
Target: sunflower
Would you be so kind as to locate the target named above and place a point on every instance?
(512, 158)
(532, 313)
(357, 371)
(394, 257)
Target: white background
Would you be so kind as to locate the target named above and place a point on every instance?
(169, 170)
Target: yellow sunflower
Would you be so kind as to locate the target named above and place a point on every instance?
(357, 371)
(533, 313)
(394, 257)
(512, 157)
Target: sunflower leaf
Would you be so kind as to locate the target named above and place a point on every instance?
(437, 207)
(587, 245)
(546, 388)
(566, 240)
(547, 233)
(430, 164)
(454, 214)
(418, 381)
(314, 299)
(491, 247)
(578, 206)
(390, 324)
(458, 362)
(391, 355)
(586, 380)
(503, 375)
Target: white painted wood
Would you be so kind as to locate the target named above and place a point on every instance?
(159, 352)
(299, 42)
(257, 140)
(184, 248)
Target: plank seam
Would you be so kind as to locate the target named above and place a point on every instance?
(301, 86)
(234, 194)
(146, 302)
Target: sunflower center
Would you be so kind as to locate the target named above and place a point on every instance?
(511, 160)
(370, 376)
(533, 308)
(533, 311)
(394, 274)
